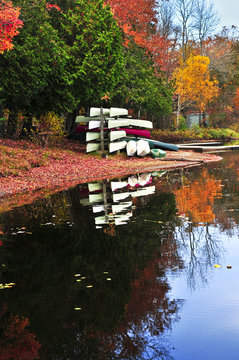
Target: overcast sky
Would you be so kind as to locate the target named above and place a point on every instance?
(228, 11)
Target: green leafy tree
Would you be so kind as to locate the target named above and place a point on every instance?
(60, 59)
(143, 87)
(94, 46)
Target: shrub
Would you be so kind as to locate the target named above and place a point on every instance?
(49, 129)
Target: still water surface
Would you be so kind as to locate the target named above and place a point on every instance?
(117, 271)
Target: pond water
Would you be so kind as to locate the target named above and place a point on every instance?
(144, 267)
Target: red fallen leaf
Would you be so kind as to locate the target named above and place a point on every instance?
(59, 169)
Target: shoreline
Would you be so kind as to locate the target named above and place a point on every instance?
(77, 168)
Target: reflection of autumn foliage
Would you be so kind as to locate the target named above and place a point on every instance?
(148, 313)
(196, 201)
(149, 295)
(149, 307)
(16, 342)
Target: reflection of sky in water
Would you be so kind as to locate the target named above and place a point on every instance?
(209, 324)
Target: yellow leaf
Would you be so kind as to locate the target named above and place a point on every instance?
(217, 266)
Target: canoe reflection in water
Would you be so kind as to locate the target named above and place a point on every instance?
(114, 199)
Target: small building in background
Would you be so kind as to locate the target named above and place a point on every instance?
(196, 119)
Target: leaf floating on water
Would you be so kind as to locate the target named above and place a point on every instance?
(89, 286)
(77, 275)
(217, 266)
(77, 308)
(6, 286)
(83, 277)
(78, 280)
(229, 266)
(106, 272)
(108, 279)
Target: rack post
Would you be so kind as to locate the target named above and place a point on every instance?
(102, 143)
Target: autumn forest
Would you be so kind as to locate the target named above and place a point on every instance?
(162, 59)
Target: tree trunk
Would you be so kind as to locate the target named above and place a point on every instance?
(178, 111)
(12, 124)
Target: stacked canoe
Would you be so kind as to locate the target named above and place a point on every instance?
(113, 130)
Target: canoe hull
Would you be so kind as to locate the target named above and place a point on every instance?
(154, 144)
(143, 148)
(118, 145)
(131, 148)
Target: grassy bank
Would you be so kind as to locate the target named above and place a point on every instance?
(19, 157)
(195, 134)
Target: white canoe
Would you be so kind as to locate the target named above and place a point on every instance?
(92, 136)
(82, 119)
(94, 124)
(118, 112)
(114, 135)
(92, 147)
(141, 123)
(143, 148)
(131, 148)
(115, 146)
(96, 111)
(115, 123)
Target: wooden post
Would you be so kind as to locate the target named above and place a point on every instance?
(102, 143)
(105, 200)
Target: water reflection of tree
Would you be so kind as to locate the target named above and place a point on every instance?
(201, 250)
(16, 342)
(134, 302)
(206, 201)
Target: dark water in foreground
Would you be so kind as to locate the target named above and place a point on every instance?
(134, 279)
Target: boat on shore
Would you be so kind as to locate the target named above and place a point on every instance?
(157, 153)
(129, 131)
(154, 144)
(143, 148)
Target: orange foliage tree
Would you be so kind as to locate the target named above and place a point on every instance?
(9, 24)
(236, 100)
(193, 84)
